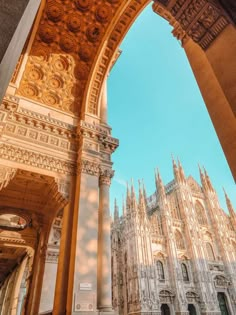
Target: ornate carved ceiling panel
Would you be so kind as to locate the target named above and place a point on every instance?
(63, 50)
(39, 194)
(76, 41)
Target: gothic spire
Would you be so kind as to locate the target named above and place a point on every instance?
(128, 198)
(229, 205)
(116, 212)
(203, 179)
(181, 171)
(133, 202)
(159, 184)
(123, 207)
(141, 198)
(175, 170)
(209, 184)
(144, 191)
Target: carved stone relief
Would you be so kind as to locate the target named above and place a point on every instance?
(6, 174)
(65, 44)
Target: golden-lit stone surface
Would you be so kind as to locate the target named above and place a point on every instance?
(68, 36)
(56, 146)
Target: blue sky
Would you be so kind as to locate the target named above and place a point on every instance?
(156, 109)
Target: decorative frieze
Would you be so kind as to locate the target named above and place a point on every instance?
(35, 159)
(89, 167)
(201, 20)
(52, 257)
(34, 127)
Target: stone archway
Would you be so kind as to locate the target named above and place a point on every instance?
(165, 310)
(28, 203)
(218, 103)
(55, 117)
(192, 309)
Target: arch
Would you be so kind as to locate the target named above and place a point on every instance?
(192, 297)
(185, 272)
(223, 303)
(200, 213)
(160, 270)
(108, 52)
(210, 252)
(165, 309)
(166, 296)
(179, 240)
(221, 282)
(184, 257)
(192, 309)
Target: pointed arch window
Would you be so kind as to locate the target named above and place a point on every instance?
(200, 214)
(160, 270)
(179, 240)
(210, 252)
(185, 272)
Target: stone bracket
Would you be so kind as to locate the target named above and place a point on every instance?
(6, 175)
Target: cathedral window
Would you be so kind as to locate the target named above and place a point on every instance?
(160, 270)
(210, 252)
(184, 272)
(179, 240)
(200, 214)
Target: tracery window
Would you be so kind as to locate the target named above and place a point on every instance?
(184, 272)
(179, 240)
(210, 252)
(160, 270)
(200, 214)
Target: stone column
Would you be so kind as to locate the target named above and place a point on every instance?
(216, 102)
(16, 290)
(104, 244)
(221, 55)
(32, 305)
(60, 297)
(82, 286)
(79, 294)
(211, 57)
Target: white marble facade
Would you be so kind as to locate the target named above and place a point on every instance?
(175, 251)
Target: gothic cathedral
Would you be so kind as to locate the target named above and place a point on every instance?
(175, 251)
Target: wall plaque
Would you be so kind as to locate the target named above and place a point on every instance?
(84, 302)
(85, 286)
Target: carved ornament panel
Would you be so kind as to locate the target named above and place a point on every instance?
(64, 47)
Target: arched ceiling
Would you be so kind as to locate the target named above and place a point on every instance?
(77, 40)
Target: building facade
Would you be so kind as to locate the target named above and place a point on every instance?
(175, 251)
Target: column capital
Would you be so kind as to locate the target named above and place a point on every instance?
(106, 175)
